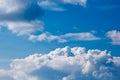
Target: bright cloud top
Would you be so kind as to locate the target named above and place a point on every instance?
(83, 36)
(114, 35)
(65, 64)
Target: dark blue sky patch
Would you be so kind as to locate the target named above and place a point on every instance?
(33, 12)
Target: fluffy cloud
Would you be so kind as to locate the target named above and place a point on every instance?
(85, 36)
(24, 28)
(65, 64)
(114, 35)
(46, 37)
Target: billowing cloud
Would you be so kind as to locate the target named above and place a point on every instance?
(65, 64)
(114, 35)
(83, 36)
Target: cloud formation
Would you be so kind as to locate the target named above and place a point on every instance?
(83, 36)
(114, 35)
(30, 10)
(20, 16)
(23, 16)
(65, 64)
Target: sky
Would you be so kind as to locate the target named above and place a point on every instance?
(59, 39)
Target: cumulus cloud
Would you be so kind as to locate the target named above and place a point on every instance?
(114, 35)
(65, 64)
(83, 36)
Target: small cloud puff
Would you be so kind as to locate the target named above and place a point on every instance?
(65, 64)
(114, 35)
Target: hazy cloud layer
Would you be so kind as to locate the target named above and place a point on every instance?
(114, 35)
(65, 64)
(85, 36)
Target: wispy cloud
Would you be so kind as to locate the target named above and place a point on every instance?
(76, 2)
(114, 35)
(24, 27)
(83, 36)
(50, 5)
(73, 63)
(55, 5)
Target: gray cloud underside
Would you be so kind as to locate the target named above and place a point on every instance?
(65, 64)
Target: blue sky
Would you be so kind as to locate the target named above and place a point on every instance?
(40, 26)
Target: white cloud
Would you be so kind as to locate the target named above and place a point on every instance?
(20, 16)
(23, 28)
(47, 4)
(13, 6)
(67, 63)
(85, 36)
(80, 36)
(46, 36)
(75, 2)
(54, 5)
(8, 6)
(114, 35)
